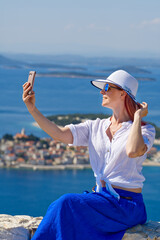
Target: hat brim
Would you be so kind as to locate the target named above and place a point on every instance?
(100, 83)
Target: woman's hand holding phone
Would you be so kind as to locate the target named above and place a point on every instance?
(28, 98)
(28, 93)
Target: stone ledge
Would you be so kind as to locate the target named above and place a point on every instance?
(22, 227)
(19, 227)
(147, 231)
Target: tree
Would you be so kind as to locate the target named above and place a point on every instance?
(8, 137)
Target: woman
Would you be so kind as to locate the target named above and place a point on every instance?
(117, 147)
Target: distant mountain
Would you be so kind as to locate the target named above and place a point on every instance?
(4, 60)
(71, 62)
(73, 59)
(129, 68)
(56, 66)
(78, 62)
(48, 59)
(7, 62)
(83, 75)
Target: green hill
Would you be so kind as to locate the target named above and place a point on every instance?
(76, 118)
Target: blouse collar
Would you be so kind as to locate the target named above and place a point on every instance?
(124, 124)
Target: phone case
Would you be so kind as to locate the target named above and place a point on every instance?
(31, 79)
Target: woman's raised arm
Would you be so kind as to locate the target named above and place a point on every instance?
(57, 133)
(135, 146)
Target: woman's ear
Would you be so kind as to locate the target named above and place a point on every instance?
(123, 93)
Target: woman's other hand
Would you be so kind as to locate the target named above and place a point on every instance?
(142, 109)
(28, 99)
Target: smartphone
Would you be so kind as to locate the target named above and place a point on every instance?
(31, 79)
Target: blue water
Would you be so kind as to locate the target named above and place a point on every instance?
(63, 96)
(30, 192)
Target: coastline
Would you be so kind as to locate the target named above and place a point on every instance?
(151, 164)
(83, 75)
(35, 124)
(68, 166)
(55, 167)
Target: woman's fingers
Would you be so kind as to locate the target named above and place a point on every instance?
(144, 104)
(25, 85)
(144, 109)
(26, 90)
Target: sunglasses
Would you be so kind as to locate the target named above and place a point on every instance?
(107, 87)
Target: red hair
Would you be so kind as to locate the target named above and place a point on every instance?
(131, 107)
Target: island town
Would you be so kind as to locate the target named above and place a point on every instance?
(28, 151)
(22, 151)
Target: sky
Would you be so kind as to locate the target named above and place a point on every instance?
(84, 27)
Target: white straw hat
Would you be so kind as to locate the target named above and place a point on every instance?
(121, 79)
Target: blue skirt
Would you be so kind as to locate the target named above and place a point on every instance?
(92, 216)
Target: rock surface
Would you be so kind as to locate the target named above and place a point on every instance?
(22, 227)
(149, 231)
(19, 227)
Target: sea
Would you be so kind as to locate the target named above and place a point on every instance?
(30, 192)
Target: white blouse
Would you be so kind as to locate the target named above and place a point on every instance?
(108, 159)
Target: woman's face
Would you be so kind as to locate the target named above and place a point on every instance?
(111, 98)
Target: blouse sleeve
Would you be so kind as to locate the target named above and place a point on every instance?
(80, 133)
(148, 133)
